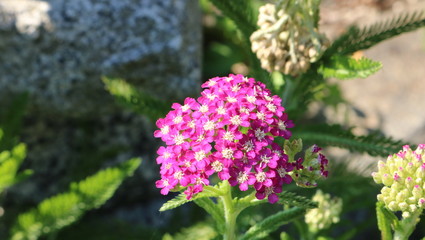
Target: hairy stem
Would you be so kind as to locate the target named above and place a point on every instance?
(230, 213)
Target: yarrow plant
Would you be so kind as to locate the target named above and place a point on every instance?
(230, 130)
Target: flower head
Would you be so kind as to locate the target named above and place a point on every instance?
(288, 39)
(403, 176)
(325, 214)
(229, 130)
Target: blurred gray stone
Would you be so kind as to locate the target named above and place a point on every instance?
(57, 50)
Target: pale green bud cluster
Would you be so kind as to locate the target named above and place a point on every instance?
(288, 39)
(404, 178)
(325, 214)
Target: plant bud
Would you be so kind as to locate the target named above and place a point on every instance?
(403, 177)
(285, 29)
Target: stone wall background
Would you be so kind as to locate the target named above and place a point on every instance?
(58, 50)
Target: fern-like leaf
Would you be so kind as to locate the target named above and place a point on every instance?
(181, 199)
(356, 39)
(335, 135)
(136, 100)
(215, 210)
(64, 209)
(293, 199)
(345, 67)
(10, 162)
(383, 223)
(240, 12)
(273, 222)
(198, 231)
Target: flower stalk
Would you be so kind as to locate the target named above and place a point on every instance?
(407, 225)
(230, 213)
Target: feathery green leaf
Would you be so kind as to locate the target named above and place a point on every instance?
(240, 12)
(335, 135)
(213, 209)
(356, 39)
(293, 199)
(10, 162)
(181, 199)
(64, 209)
(383, 223)
(134, 99)
(273, 222)
(345, 67)
(198, 231)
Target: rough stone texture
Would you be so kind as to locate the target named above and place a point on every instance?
(57, 50)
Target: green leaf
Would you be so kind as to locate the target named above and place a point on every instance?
(11, 120)
(293, 199)
(356, 39)
(285, 236)
(135, 99)
(383, 222)
(214, 210)
(335, 135)
(10, 162)
(195, 232)
(241, 13)
(273, 222)
(175, 202)
(181, 199)
(64, 209)
(345, 67)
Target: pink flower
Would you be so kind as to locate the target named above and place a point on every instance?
(230, 131)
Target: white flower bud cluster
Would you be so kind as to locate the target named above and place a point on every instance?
(325, 214)
(286, 41)
(404, 178)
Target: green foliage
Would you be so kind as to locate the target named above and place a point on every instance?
(181, 199)
(273, 222)
(136, 100)
(11, 117)
(241, 13)
(356, 39)
(345, 67)
(285, 236)
(215, 210)
(195, 232)
(383, 222)
(335, 135)
(64, 209)
(10, 162)
(292, 199)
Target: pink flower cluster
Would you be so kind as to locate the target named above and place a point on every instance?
(229, 130)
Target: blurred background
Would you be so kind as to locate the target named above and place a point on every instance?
(54, 54)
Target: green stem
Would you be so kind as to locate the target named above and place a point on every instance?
(230, 213)
(303, 230)
(407, 225)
